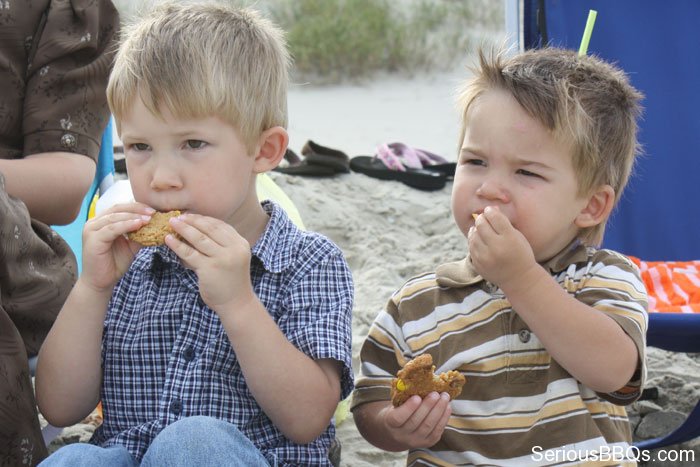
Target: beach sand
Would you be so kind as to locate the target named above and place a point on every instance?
(390, 232)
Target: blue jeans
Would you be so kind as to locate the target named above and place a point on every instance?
(188, 442)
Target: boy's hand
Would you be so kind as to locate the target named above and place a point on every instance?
(418, 423)
(107, 253)
(499, 252)
(219, 256)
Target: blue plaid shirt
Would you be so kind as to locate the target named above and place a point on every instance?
(166, 356)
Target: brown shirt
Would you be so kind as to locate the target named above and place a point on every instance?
(518, 406)
(55, 57)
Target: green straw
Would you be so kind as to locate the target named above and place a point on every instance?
(583, 49)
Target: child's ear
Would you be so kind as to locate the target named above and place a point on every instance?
(598, 208)
(270, 149)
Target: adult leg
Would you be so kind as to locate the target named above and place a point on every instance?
(202, 441)
(21, 442)
(89, 455)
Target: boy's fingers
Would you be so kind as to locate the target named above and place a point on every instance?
(443, 418)
(114, 230)
(496, 219)
(476, 245)
(137, 208)
(432, 421)
(110, 218)
(397, 416)
(198, 239)
(217, 231)
(185, 252)
(418, 417)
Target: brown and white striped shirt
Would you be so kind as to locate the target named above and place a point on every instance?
(518, 407)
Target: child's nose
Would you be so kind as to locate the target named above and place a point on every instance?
(165, 177)
(493, 189)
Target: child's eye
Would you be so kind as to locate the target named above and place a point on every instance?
(195, 144)
(474, 162)
(140, 147)
(527, 173)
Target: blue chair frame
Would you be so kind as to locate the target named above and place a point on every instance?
(667, 64)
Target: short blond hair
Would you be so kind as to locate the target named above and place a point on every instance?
(202, 60)
(584, 101)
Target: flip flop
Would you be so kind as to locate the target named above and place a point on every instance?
(447, 169)
(428, 160)
(329, 157)
(386, 165)
(297, 166)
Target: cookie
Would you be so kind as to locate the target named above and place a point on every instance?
(154, 233)
(418, 378)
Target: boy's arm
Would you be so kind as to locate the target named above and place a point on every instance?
(369, 419)
(586, 342)
(296, 392)
(418, 423)
(69, 366)
(69, 372)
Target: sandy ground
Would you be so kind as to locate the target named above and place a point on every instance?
(390, 232)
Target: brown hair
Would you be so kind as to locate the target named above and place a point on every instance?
(584, 101)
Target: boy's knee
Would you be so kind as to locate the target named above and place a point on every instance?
(200, 439)
(88, 455)
(195, 423)
(201, 430)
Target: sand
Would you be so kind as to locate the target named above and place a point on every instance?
(389, 231)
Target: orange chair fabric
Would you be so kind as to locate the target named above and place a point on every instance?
(673, 286)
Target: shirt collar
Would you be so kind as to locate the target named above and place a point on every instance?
(461, 273)
(275, 248)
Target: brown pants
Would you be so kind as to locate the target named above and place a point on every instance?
(37, 271)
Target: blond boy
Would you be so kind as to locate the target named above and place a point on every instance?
(547, 328)
(230, 344)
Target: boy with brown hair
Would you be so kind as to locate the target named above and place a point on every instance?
(230, 344)
(548, 329)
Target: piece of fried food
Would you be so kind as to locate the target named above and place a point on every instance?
(154, 233)
(418, 378)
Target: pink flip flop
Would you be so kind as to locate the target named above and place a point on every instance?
(405, 167)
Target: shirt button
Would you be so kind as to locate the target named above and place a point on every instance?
(176, 407)
(188, 354)
(68, 141)
(524, 335)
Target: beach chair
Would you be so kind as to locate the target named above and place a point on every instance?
(650, 222)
